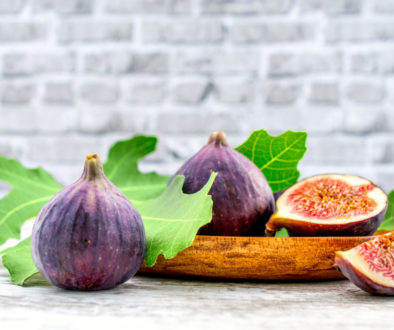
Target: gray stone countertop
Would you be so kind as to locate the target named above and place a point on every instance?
(164, 303)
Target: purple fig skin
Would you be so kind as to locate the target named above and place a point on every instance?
(360, 279)
(298, 228)
(88, 236)
(242, 199)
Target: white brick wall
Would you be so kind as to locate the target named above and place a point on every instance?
(76, 75)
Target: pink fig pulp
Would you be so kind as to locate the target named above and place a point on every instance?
(370, 265)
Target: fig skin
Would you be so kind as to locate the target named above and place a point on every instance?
(242, 199)
(350, 271)
(88, 236)
(305, 227)
(302, 228)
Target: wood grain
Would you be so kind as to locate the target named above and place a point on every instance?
(257, 258)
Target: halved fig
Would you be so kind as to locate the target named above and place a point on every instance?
(370, 265)
(329, 205)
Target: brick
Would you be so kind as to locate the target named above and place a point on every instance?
(58, 93)
(242, 7)
(124, 62)
(324, 93)
(384, 7)
(148, 6)
(98, 119)
(99, 92)
(227, 91)
(193, 123)
(388, 117)
(282, 93)
(133, 120)
(12, 146)
(291, 64)
(360, 31)
(331, 6)
(95, 31)
(321, 119)
(18, 31)
(192, 91)
(64, 149)
(20, 120)
(365, 92)
(105, 62)
(183, 31)
(364, 63)
(53, 119)
(10, 6)
(17, 93)
(380, 149)
(108, 62)
(364, 120)
(338, 149)
(373, 63)
(217, 61)
(276, 119)
(271, 33)
(15, 64)
(145, 92)
(22, 63)
(385, 177)
(153, 62)
(63, 6)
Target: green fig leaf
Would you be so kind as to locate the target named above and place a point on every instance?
(121, 168)
(19, 262)
(171, 222)
(388, 221)
(31, 189)
(282, 233)
(276, 156)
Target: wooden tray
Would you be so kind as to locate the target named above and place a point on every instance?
(257, 258)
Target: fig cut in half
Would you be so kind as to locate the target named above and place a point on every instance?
(329, 205)
(370, 265)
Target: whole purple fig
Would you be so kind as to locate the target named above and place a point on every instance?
(88, 236)
(242, 199)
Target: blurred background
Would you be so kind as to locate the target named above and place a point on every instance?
(77, 75)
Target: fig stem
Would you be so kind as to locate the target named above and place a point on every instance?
(218, 138)
(93, 168)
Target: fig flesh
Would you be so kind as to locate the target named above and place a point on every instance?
(88, 236)
(242, 199)
(370, 265)
(329, 205)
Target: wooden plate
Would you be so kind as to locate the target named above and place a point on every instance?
(257, 258)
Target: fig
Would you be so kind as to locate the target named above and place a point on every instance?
(329, 205)
(370, 265)
(242, 199)
(88, 236)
